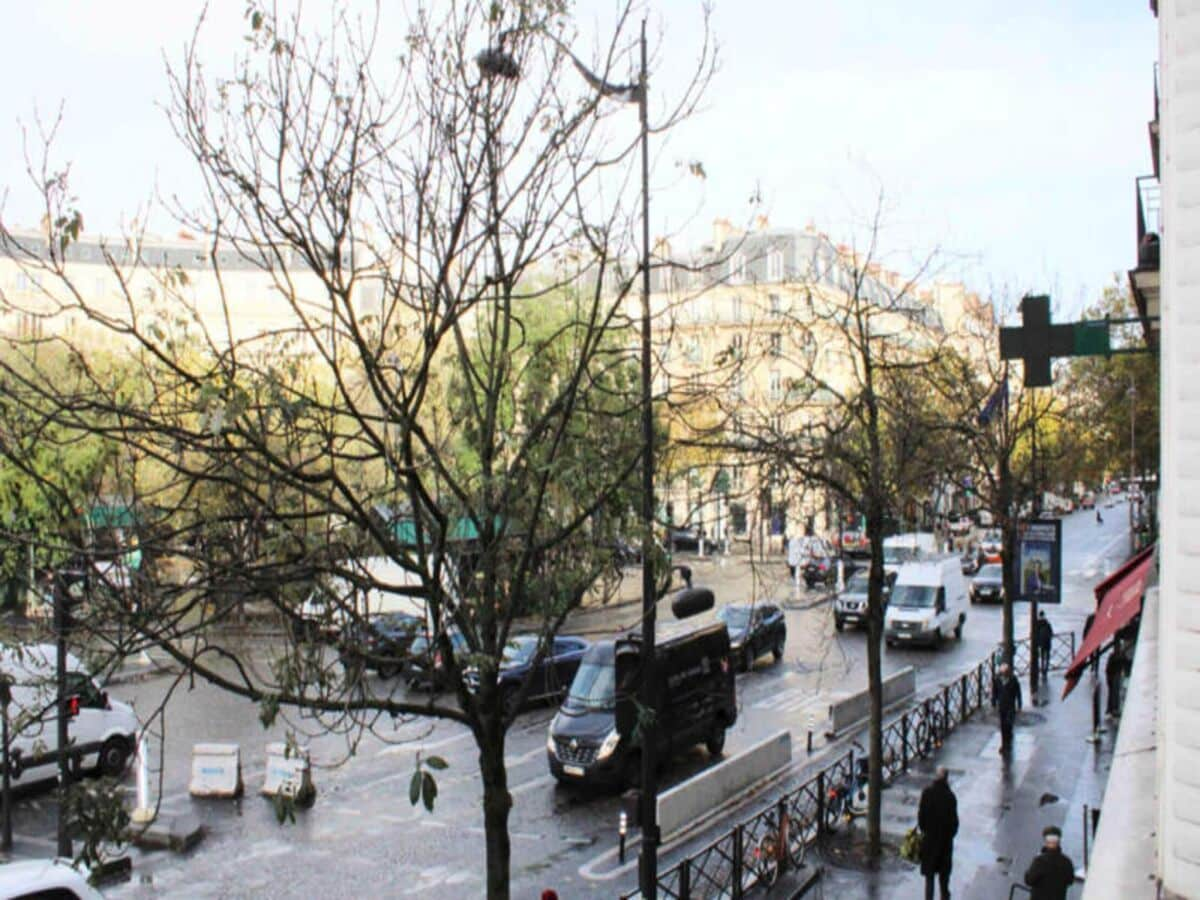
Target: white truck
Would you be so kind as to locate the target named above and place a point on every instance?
(904, 548)
(33, 715)
(928, 603)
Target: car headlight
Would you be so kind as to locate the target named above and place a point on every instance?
(550, 741)
(609, 745)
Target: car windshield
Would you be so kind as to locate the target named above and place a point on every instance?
(595, 684)
(914, 596)
(991, 537)
(857, 584)
(518, 652)
(734, 617)
(990, 573)
(897, 555)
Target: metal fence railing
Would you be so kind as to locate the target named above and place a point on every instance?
(734, 865)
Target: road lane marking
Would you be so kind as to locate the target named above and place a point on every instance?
(540, 781)
(512, 761)
(393, 749)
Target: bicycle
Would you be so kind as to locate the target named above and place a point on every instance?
(848, 801)
(777, 850)
(930, 731)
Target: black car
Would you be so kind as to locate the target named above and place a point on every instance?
(822, 569)
(988, 584)
(754, 629)
(688, 540)
(424, 666)
(382, 643)
(550, 677)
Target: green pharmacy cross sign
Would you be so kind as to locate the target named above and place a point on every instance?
(1037, 341)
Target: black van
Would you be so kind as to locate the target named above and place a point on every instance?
(590, 743)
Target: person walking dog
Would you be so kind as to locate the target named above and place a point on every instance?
(1006, 696)
(937, 817)
(1051, 873)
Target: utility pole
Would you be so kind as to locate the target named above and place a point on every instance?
(61, 614)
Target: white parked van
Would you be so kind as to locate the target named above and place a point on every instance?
(928, 603)
(33, 714)
(336, 601)
(905, 548)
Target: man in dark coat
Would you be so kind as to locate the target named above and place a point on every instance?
(1006, 695)
(937, 818)
(1051, 873)
(1044, 632)
(1113, 670)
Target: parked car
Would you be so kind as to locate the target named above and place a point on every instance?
(687, 540)
(694, 693)
(550, 676)
(855, 543)
(95, 718)
(850, 607)
(45, 879)
(425, 669)
(381, 643)
(988, 584)
(1087, 501)
(822, 569)
(754, 629)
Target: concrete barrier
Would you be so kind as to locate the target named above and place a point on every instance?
(849, 711)
(683, 804)
(216, 771)
(288, 773)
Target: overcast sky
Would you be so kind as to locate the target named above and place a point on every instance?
(1005, 134)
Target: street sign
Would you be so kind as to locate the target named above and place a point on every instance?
(1036, 342)
(1039, 561)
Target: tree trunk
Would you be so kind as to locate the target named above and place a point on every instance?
(497, 803)
(875, 688)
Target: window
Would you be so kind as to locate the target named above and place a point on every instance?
(776, 305)
(692, 350)
(737, 517)
(776, 385)
(775, 344)
(737, 269)
(775, 266)
(735, 346)
(737, 308)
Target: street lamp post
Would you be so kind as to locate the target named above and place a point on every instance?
(496, 62)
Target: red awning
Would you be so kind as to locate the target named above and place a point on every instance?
(1118, 599)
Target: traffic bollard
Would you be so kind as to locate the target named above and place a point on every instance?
(812, 722)
(622, 828)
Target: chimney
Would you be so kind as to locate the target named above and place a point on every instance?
(722, 229)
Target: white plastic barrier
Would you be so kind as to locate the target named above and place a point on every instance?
(289, 773)
(848, 712)
(216, 771)
(690, 800)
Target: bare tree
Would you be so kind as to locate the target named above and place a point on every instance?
(852, 411)
(404, 337)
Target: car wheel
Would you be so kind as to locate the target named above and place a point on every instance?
(747, 660)
(958, 629)
(839, 624)
(114, 757)
(388, 671)
(716, 740)
(777, 650)
(937, 639)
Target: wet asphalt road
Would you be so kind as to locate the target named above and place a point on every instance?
(363, 838)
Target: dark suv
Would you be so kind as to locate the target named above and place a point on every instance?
(754, 629)
(549, 678)
(381, 643)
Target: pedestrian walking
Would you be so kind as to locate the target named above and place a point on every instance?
(1051, 873)
(794, 554)
(937, 817)
(1113, 670)
(1006, 696)
(1044, 633)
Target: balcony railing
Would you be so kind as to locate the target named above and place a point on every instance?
(1149, 221)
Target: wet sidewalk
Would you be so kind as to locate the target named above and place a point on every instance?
(1003, 805)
